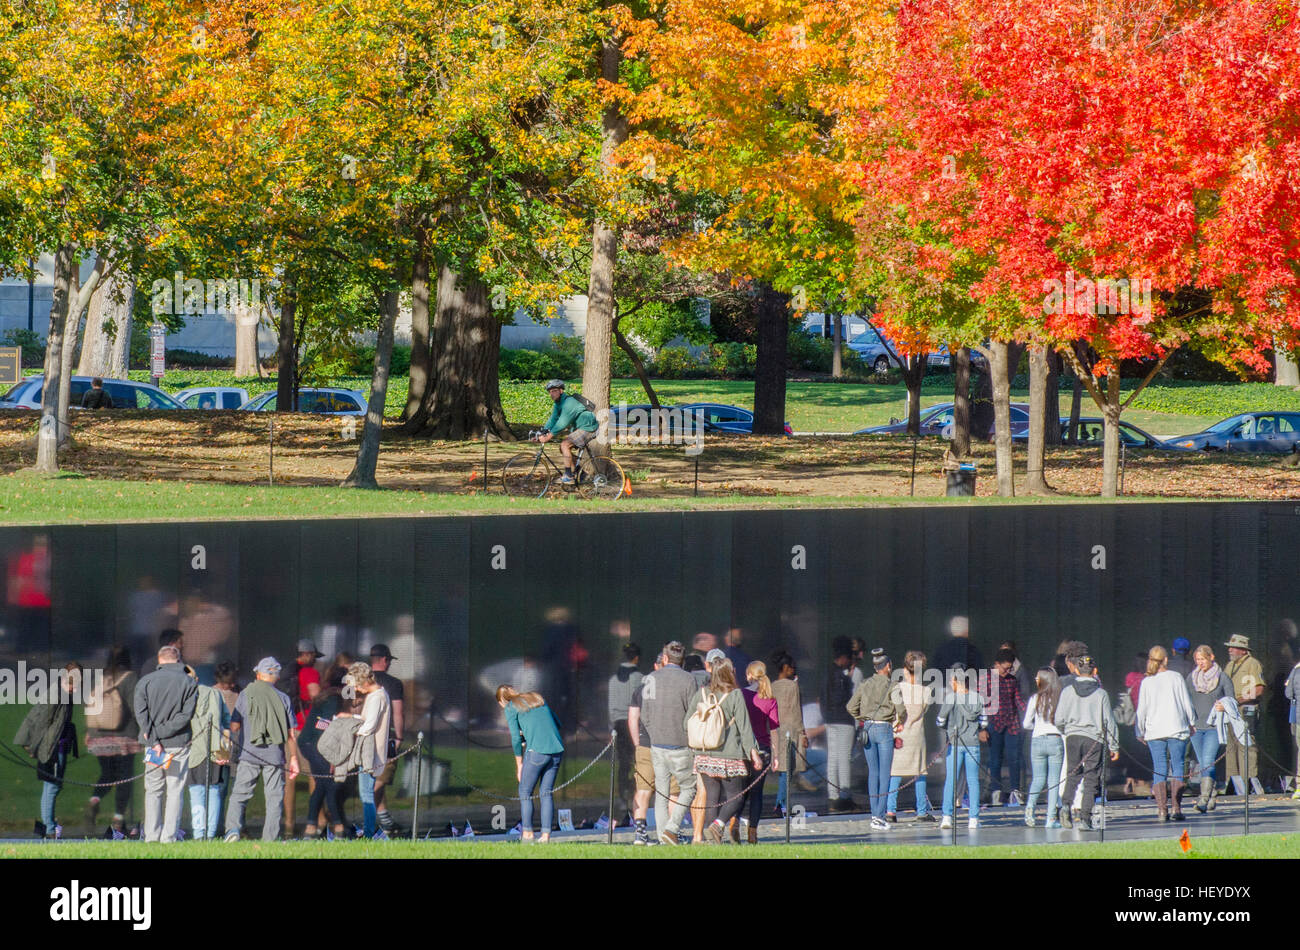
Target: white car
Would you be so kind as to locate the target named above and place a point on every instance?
(212, 397)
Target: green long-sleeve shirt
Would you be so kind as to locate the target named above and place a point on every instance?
(876, 700)
(570, 412)
(738, 735)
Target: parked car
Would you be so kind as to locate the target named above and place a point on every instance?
(937, 420)
(638, 419)
(329, 402)
(1091, 432)
(728, 420)
(125, 393)
(871, 347)
(212, 397)
(1247, 432)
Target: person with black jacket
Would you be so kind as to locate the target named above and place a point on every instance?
(95, 397)
(958, 649)
(49, 736)
(840, 726)
(164, 705)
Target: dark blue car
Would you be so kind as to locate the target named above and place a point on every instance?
(1248, 432)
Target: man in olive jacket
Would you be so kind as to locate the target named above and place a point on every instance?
(164, 705)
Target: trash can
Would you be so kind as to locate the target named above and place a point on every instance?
(961, 483)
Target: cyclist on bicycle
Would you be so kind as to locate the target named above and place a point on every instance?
(568, 411)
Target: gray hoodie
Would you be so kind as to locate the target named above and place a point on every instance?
(962, 717)
(1084, 710)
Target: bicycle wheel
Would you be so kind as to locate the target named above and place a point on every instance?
(526, 476)
(601, 477)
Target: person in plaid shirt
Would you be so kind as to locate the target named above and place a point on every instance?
(1005, 729)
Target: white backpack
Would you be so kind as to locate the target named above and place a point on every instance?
(707, 725)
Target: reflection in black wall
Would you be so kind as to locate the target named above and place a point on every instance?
(466, 603)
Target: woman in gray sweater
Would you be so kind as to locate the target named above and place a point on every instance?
(1208, 686)
(722, 769)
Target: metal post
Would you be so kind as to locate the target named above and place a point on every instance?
(697, 475)
(419, 774)
(912, 489)
(789, 781)
(1245, 754)
(485, 460)
(613, 773)
(1123, 458)
(270, 461)
(1105, 752)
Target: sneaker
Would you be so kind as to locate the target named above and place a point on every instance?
(1052, 824)
(1015, 799)
(927, 817)
(667, 837)
(946, 823)
(1086, 824)
(1067, 818)
(973, 824)
(567, 479)
(714, 831)
(231, 836)
(879, 824)
(891, 818)
(642, 838)
(997, 799)
(1029, 818)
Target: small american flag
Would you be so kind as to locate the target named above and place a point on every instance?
(329, 834)
(180, 834)
(381, 835)
(118, 836)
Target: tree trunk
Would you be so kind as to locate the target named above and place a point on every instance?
(246, 320)
(47, 440)
(71, 330)
(1287, 370)
(961, 403)
(637, 364)
(421, 355)
(109, 312)
(1052, 405)
(286, 382)
(1110, 442)
(363, 472)
(118, 362)
(913, 376)
(773, 319)
(999, 370)
(604, 259)
(1039, 395)
(837, 338)
(981, 410)
(464, 400)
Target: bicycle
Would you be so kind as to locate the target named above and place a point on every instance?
(535, 475)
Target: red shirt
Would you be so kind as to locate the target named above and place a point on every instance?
(306, 676)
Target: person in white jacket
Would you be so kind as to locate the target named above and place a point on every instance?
(1165, 722)
(373, 736)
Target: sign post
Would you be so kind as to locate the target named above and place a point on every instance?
(157, 352)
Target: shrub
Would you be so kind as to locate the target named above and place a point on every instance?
(193, 359)
(733, 360)
(677, 362)
(557, 363)
(31, 342)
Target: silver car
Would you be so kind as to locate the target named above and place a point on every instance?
(328, 402)
(125, 393)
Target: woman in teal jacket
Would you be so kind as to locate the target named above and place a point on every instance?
(535, 738)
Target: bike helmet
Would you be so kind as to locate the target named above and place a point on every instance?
(555, 384)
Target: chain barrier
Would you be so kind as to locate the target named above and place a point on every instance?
(514, 798)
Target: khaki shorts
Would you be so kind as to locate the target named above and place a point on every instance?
(386, 776)
(644, 772)
(580, 437)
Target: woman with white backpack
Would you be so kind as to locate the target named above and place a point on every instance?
(719, 732)
(112, 737)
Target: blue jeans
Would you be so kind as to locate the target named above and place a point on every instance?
(1176, 750)
(816, 771)
(1205, 743)
(922, 799)
(958, 758)
(537, 767)
(1000, 743)
(878, 745)
(50, 790)
(1046, 756)
(366, 789)
(205, 810)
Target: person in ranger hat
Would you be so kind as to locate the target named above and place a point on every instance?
(1247, 676)
(568, 411)
(262, 732)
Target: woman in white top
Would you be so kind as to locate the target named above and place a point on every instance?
(373, 736)
(1165, 721)
(1046, 748)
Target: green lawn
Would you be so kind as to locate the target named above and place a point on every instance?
(1255, 846)
(69, 498)
(1165, 408)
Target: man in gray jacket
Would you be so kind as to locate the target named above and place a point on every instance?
(666, 695)
(1085, 718)
(164, 705)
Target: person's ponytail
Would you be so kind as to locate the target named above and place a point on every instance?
(756, 673)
